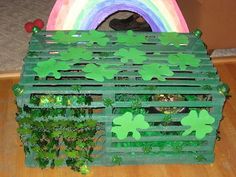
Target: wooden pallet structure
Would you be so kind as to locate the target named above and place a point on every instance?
(140, 97)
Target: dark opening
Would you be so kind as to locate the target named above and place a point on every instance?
(124, 20)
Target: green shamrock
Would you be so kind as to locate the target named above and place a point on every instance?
(201, 124)
(173, 39)
(184, 60)
(75, 53)
(131, 54)
(98, 73)
(150, 71)
(127, 123)
(130, 38)
(84, 170)
(94, 36)
(44, 68)
(65, 38)
(18, 90)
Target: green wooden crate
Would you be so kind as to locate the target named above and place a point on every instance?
(76, 97)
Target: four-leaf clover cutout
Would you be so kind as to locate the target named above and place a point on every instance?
(184, 60)
(98, 73)
(173, 39)
(128, 123)
(131, 54)
(155, 70)
(201, 124)
(130, 38)
(44, 68)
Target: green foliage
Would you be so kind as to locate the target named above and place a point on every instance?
(18, 90)
(76, 88)
(199, 157)
(201, 123)
(166, 120)
(116, 159)
(223, 89)
(184, 60)
(94, 37)
(65, 38)
(211, 74)
(133, 54)
(155, 70)
(147, 149)
(108, 102)
(60, 100)
(173, 39)
(55, 143)
(98, 73)
(44, 68)
(127, 123)
(131, 39)
(76, 54)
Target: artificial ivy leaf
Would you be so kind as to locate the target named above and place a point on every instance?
(131, 54)
(91, 123)
(58, 162)
(173, 39)
(127, 123)
(75, 53)
(65, 38)
(84, 170)
(184, 60)
(44, 68)
(93, 37)
(108, 102)
(200, 124)
(130, 38)
(116, 159)
(98, 73)
(150, 71)
(18, 90)
(24, 131)
(56, 134)
(72, 154)
(69, 134)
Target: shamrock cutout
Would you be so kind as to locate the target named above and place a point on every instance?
(98, 73)
(94, 36)
(184, 60)
(131, 54)
(76, 54)
(127, 123)
(201, 124)
(65, 38)
(150, 71)
(44, 68)
(130, 38)
(173, 38)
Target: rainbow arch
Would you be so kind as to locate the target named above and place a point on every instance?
(162, 15)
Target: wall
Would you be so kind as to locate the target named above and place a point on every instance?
(215, 18)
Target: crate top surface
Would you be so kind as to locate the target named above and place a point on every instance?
(109, 62)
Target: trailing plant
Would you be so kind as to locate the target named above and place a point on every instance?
(59, 142)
